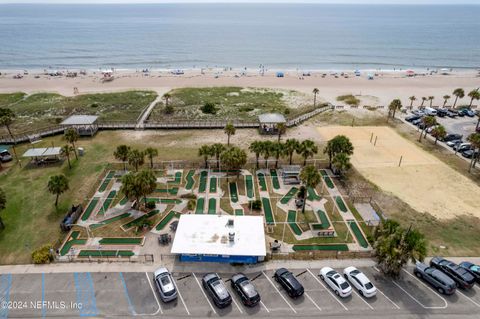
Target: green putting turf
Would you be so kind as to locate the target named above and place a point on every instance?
(71, 242)
(249, 184)
(200, 205)
(109, 221)
(106, 253)
(262, 182)
(190, 180)
(239, 212)
(358, 234)
(212, 206)
(107, 202)
(341, 204)
(164, 200)
(106, 181)
(177, 178)
(327, 179)
(339, 247)
(124, 201)
(312, 194)
(275, 182)
(233, 192)
(90, 208)
(325, 224)
(121, 241)
(75, 234)
(140, 219)
(213, 184)
(166, 219)
(267, 209)
(170, 190)
(288, 196)
(292, 222)
(203, 182)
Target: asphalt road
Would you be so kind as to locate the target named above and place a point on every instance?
(126, 295)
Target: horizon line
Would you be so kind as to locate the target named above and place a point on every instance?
(329, 2)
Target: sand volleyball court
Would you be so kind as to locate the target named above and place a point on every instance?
(422, 181)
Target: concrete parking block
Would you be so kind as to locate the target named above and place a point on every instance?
(110, 294)
(139, 294)
(25, 294)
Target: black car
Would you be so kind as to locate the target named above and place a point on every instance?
(462, 112)
(441, 282)
(411, 118)
(442, 112)
(472, 268)
(451, 137)
(289, 282)
(463, 278)
(469, 153)
(245, 289)
(215, 287)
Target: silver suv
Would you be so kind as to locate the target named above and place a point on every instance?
(165, 285)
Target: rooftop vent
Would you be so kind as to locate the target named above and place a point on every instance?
(230, 223)
(231, 236)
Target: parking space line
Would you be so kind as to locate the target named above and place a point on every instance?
(5, 286)
(275, 287)
(85, 294)
(321, 283)
(358, 295)
(236, 304)
(314, 303)
(474, 302)
(181, 298)
(428, 287)
(154, 295)
(261, 302)
(127, 296)
(388, 298)
(203, 292)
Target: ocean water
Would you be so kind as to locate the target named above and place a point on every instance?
(279, 36)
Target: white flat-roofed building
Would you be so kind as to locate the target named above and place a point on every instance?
(226, 238)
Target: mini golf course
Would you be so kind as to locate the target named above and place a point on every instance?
(233, 192)
(172, 191)
(238, 212)
(106, 181)
(292, 222)
(73, 240)
(124, 201)
(106, 253)
(139, 220)
(358, 234)
(249, 185)
(341, 204)
(312, 194)
(324, 223)
(288, 196)
(190, 180)
(107, 202)
(121, 241)
(177, 178)
(213, 184)
(327, 179)
(267, 210)
(164, 200)
(110, 220)
(200, 205)
(212, 206)
(339, 247)
(166, 219)
(262, 182)
(90, 208)
(275, 182)
(203, 182)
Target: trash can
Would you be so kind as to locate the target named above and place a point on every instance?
(81, 151)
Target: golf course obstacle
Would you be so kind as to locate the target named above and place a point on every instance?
(288, 196)
(358, 234)
(232, 186)
(275, 181)
(109, 221)
(190, 180)
(139, 220)
(292, 222)
(122, 241)
(213, 184)
(91, 206)
(267, 210)
(203, 182)
(249, 185)
(212, 206)
(166, 219)
(200, 205)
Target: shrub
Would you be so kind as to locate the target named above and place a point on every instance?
(191, 204)
(246, 109)
(42, 255)
(94, 104)
(150, 204)
(169, 109)
(286, 111)
(349, 99)
(189, 196)
(209, 108)
(255, 204)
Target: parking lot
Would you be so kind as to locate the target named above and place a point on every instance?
(134, 294)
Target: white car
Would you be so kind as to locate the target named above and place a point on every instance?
(336, 282)
(360, 281)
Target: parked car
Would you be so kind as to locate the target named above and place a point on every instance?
(470, 113)
(452, 136)
(5, 156)
(469, 153)
(336, 282)
(215, 287)
(165, 285)
(430, 111)
(419, 112)
(463, 278)
(462, 147)
(452, 113)
(442, 112)
(246, 290)
(288, 281)
(453, 143)
(430, 129)
(411, 118)
(462, 112)
(360, 281)
(442, 283)
(472, 268)
(417, 121)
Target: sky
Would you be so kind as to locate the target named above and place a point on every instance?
(253, 1)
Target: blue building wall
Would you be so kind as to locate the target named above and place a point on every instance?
(219, 258)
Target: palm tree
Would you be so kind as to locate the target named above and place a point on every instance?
(427, 122)
(431, 98)
(256, 147)
(277, 151)
(423, 101)
(217, 150)
(412, 99)
(229, 130)
(445, 99)
(130, 188)
(439, 132)
(310, 177)
(267, 151)
(234, 159)
(474, 139)
(67, 150)
(459, 93)
(393, 107)
(136, 158)
(6, 119)
(3, 204)
(71, 135)
(338, 144)
(121, 154)
(57, 185)
(315, 92)
(205, 151)
(473, 95)
(307, 149)
(281, 128)
(290, 146)
(147, 182)
(151, 153)
(341, 163)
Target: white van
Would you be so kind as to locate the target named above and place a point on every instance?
(430, 111)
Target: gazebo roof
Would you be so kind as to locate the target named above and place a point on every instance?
(38, 152)
(271, 118)
(80, 120)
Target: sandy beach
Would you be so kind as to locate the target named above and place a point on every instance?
(384, 87)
